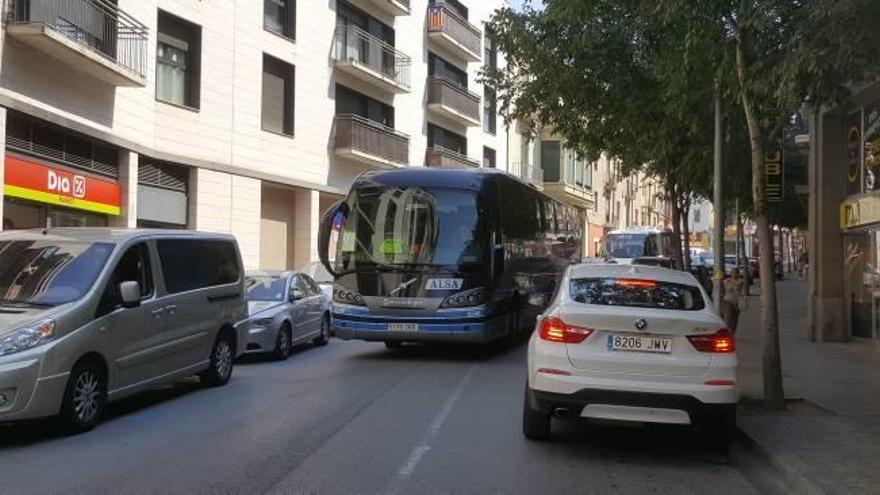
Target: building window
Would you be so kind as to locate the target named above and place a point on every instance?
(490, 111)
(279, 17)
(456, 7)
(439, 137)
(490, 53)
(488, 157)
(350, 102)
(178, 61)
(439, 67)
(278, 95)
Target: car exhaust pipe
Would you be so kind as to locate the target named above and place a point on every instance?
(561, 412)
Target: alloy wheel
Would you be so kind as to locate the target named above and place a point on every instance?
(223, 362)
(86, 396)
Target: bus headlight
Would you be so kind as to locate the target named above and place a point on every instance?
(347, 296)
(468, 298)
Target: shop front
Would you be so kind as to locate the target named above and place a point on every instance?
(40, 195)
(860, 223)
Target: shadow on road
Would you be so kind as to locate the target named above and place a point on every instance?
(445, 352)
(652, 443)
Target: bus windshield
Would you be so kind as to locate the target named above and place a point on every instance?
(630, 245)
(411, 226)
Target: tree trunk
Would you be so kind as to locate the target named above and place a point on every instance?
(774, 397)
(686, 234)
(741, 246)
(676, 227)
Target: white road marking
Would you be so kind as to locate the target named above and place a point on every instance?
(412, 462)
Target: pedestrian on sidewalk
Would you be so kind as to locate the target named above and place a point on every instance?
(730, 302)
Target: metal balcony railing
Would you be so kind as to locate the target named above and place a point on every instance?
(439, 157)
(451, 95)
(98, 25)
(356, 45)
(442, 19)
(528, 172)
(359, 134)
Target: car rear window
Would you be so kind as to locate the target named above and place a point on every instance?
(637, 293)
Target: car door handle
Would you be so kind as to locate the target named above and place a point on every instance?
(170, 308)
(157, 312)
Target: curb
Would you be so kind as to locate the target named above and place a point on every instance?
(790, 468)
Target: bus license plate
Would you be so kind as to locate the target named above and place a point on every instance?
(403, 327)
(639, 343)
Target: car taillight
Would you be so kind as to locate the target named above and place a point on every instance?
(553, 329)
(721, 342)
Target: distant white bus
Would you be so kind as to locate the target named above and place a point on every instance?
(624, 245)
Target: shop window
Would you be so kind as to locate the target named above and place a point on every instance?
(178, 61)
(278, 96)
(279, 17)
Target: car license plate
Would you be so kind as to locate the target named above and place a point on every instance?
(403, 327)
(639, 343)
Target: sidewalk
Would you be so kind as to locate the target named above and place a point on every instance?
(829, 438)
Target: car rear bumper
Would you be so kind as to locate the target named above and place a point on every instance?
(627, 406)
(476, 330)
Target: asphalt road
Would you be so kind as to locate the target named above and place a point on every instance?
(357, 418)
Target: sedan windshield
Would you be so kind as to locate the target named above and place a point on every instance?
(266, 288)
(49, 272)
(637, 293)
(411, 226)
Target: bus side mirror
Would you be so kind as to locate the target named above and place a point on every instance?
(326, 229)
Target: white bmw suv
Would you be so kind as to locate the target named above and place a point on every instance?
(632, 343)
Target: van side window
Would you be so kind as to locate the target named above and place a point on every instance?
(190, 264)
(134, 266)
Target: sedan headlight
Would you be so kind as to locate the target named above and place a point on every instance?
(27, 337)
(347, 296)
(468, 298)
(262, 322)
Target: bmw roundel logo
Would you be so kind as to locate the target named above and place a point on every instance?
(641, 324)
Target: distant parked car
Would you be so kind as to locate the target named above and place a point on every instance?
(321, 276)
(285, 309)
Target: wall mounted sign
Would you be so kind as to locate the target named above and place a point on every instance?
(774, 176)
(27, 179)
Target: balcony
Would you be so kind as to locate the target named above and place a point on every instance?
(438, 157)
(393, 7)
(571, 193)
(93, 36)
(370, 142)
(453, 32)
(528, 172)
(371, 60)
(454, 102)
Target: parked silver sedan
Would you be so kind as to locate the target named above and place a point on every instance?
(286, 309)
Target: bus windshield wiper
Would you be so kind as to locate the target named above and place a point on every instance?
(19, 303)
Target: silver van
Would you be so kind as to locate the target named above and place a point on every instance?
(93, 315)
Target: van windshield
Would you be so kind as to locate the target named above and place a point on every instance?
(49, 273)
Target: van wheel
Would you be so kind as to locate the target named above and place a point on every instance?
(719, 429)
(220, 368)
(84, 398)
(536, 425)
(324, 338)
(283, 343)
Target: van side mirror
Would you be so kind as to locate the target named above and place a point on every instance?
(130, 293)
(326, 229)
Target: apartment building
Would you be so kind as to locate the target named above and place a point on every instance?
(248, 117)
